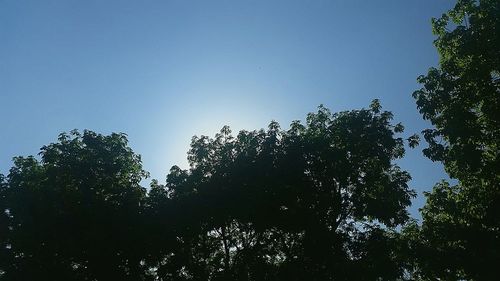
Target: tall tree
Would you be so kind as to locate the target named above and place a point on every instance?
(460, 234)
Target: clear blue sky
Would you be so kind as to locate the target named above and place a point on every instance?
(163, 71)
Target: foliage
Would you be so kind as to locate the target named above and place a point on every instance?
(460, 234)
(318, 201)
(322, 200)
(461, 98)
(76, 213)
(320, 195)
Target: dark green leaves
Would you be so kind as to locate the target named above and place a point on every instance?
(322, 185)
(317, 201)
(461, 98)
(76, 214)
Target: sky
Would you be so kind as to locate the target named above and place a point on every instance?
(163, 71)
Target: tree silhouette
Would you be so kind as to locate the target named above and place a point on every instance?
(459, 237)
(76, 213)
(318, 201)
(323, 200)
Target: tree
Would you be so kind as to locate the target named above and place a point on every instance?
(318, 201)
(460, 234)
(76, 213)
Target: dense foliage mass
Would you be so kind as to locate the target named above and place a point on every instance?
(76, 214)
(460, 235)
(323, 200)
(318, 201)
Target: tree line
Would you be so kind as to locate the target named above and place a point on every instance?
(321, 200)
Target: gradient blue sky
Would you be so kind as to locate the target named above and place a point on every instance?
(163, 71)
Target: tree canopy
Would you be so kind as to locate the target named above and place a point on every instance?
(319, 201)
(75, 214)
(459, 237)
